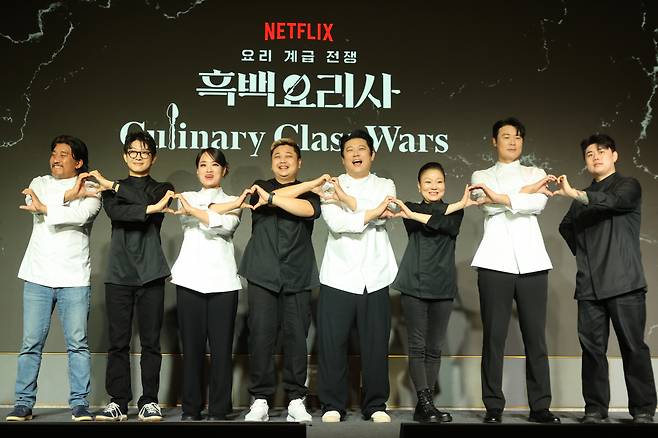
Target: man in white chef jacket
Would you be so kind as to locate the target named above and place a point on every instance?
(56, 270)
(513, 265)
(357, 269)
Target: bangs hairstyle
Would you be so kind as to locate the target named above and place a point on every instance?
(601, 140)
(511, 121)
(217, 156)
(357, 133)
(286, 141)
(78, 150)
(144, 138)
(428, 166)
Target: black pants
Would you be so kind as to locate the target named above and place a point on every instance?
(498, 290)
(268, 312)
(427, 322)
(337, 312)
(211, 318)
(120, 301)
(628, 315)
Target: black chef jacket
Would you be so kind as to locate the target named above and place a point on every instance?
(427, 269)
(605, 238)
(136, 256)
(279, 255)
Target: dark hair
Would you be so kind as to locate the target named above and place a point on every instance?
(431, 165)
(601, 140)
(357, 133)
(511, 121)
(78, 150)
(287, 142)
(144, 138)
(217, 156)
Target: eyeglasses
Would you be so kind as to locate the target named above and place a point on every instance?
(142, 154)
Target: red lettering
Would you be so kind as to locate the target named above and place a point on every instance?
(311, 36)
(269, 31)
(290, 30)
(327, 32)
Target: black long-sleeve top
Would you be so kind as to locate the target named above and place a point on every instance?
(427, 269)
(136, 256)
(279, 255)
(604, 235)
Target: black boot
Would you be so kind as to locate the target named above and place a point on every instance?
(426, 412)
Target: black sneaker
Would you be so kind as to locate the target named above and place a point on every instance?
(80, 413)
(150, 412)
(112, 412)
(20, 413)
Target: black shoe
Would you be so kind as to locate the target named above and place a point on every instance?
(642, 418)
(190, 417)
(544, 416)
(20, 413)
(216, 417)
(594, 418)
(493, 416)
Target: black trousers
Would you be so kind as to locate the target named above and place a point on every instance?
(427, 322)
(207, 317)
(338, 311)
(628, 315)
(268, 312)
(120, 301)
(498, 290)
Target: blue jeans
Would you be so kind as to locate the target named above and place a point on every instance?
(73, 311)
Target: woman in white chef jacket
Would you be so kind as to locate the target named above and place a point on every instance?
(207, 284)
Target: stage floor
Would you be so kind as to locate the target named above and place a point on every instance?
(353, 426)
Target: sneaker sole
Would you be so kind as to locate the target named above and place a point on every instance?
(149, 419)
(266, 418)
(83, 418)
(293, 419)
(12, 418)
(121, 418)
(331, 420)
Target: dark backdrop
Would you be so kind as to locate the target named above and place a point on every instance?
(565, 68)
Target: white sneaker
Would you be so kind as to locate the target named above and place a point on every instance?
(380, 417)
(258, 411)
(150, 412)
(297, 411)
(331, 417)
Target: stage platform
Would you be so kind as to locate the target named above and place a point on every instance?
(402, 425)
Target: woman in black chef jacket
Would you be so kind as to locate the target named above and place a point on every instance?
(427, 281)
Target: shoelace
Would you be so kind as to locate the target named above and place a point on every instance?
(112, 408)
(151, 408)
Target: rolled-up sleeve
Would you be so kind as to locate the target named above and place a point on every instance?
(339, 220)
(527, 203)
(221, 224)
(623, 198)
(73, 213)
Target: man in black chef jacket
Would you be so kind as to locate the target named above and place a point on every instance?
(280, 268)
(135, 277)
(602, 229)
